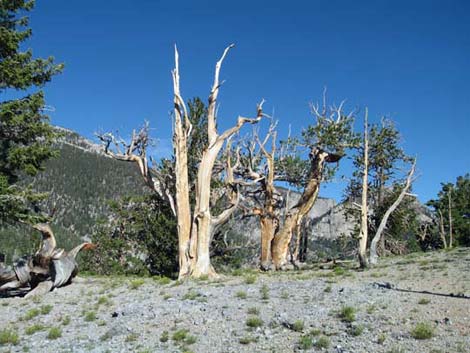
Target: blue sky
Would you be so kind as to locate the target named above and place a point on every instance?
(405, 59)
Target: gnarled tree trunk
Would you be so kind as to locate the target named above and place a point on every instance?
(280, 247)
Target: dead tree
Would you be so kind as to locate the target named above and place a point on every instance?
(203, 222)
(383, 223)
(49, 268)
(364, 206)
(195, 229)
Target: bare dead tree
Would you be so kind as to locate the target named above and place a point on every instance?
(203, 222)
(363, 234)
(135, 151)
(383, 223)
(195, 229)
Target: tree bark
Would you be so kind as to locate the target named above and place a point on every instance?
(281, 242)
(203, 223)
(373, 246)
(180, 145)
(442, 232)
(364, 205)
(449, 196)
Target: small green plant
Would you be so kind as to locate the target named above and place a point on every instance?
(136, 283)
(31, 314)
(90, 316)
(285, 294)
(191, 295)
(327, 289)
(54, 333)
(9, 336)
(33, 329)
(103, 301)
(322, 342)
(305, 342)
(339, 271)
(264, 291)
(46, 309)
(424, 301)
(66, 320)
(422, 331)
(381, 339)
(356, 330)
(164, 337)
(182, 336)
(254, 321)
(298, 326)
(347, 314)
(162, 280)
(241, 294)
(315, 332)
(250, 279)
(253, 311)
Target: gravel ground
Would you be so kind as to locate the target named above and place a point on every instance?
(254, 312)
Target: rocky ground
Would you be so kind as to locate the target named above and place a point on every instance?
(329, 310)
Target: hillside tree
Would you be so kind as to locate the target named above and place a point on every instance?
(452, 210)
(26, 136)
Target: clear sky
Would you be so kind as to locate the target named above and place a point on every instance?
(409, 60)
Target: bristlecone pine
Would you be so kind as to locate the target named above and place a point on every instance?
(50, 267)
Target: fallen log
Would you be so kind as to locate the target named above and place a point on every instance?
(50, 267)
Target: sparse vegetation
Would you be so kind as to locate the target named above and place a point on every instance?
(305, 342)
(164, 336)
(322, 342)
(241, 294)
(264, 291)
(9, 336)
(254, 321)
(136, 283)
(54, 333)
(422, 331)
(34, 328)
(298, 326)
(347, 314)
(90, 316)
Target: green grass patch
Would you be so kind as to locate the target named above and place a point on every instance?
(347, 314)
(422, 331)
(54, 333)
(241, 294)
(322, 342)
(254, 321)
(136, 283)
(34, 328)
(9, 336)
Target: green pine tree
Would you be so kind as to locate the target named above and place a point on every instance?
(25, 133)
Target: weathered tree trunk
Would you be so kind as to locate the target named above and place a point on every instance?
(204, 223)
(442, 232)
(364, 205)
(449, 196)
(48, 268)
(373, 246)
(281, 242)
(180, 145)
